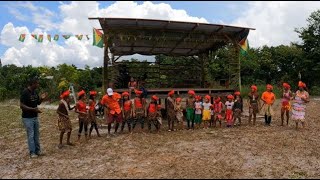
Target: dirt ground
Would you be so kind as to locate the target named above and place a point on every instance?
(239, 152)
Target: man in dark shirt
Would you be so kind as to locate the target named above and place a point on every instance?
(29, 102)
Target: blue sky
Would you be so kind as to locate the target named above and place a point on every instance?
(211, 11)
(274, 21)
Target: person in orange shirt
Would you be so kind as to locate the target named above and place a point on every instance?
(127, 111)
(81, 109)
(268, 98)
(92, 113)
(153, 113)
(111, 102)
(139, 109)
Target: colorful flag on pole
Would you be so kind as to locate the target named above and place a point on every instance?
(22, 37)
(34, 36)
(40, 38)
(79, 37)
(97, 38)
(56, 37)
(244, 46)
(87, 37)
(49, 37)
(66, 36)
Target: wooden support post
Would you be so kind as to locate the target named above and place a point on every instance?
(106, 59)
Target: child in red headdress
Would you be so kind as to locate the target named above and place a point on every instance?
(217, 109)
(64, 122)
(229, 110)
(268, 98)
(127, 111)
(81, 109)
(198, 111)
(254, 103)
(92, 113)
(152, 113)
(286, 98)
(190, 108)
(237, 108)
(206, 113)
(139, 110)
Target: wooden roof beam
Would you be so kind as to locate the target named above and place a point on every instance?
(181, 40)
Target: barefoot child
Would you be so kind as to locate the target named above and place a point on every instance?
(179, 113)
(254, 104)
(229, 110)
(81, 109)
(92, 113)
(152, 113)
(206, 113)
(218, 107)
(286, 106)
(139, 110)
(64, 122)
(301, 98)
(127, 111)
(190, 109)
(237, 108)
(268, 98)
(198, 112)
(171, 114)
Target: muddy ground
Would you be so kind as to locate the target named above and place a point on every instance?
(239, 152)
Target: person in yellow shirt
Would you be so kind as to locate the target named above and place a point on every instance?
(268, 98)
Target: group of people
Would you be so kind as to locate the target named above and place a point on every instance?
(123, 110)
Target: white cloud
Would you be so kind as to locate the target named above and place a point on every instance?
(75, 21)
(275, 21)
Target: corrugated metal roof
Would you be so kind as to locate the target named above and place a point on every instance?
(128, 36)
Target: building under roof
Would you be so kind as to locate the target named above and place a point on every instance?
(127, 36)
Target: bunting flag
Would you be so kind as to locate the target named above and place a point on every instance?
(34, 36)
(79, 37)
(66, 36)
(22, 37)
(244, 46)
(40, 38)
(56, 37)
(49, 37)
(97, 38)
(87, 37)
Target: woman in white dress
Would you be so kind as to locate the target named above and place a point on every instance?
(301, 98)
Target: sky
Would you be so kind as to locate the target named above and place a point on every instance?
(274, 21)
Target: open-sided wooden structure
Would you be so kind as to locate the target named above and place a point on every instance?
(125, 36)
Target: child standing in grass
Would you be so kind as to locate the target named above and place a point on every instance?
(198, 112)
(81, 109)
(152, 113)
(229, 110)
(64, 122)
(268, 98)
(190, 108)
(92, 113)
(238, 107)
(179, 113)
(253, 100)
(127, 111)
(217, 108)
(139, 109)
(206, 113)
(171, 114)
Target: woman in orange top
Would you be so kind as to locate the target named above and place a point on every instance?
(113, 112)
(268, 98)
(126, 111)
(139, 110)
(286, 106)
(92, 113)
(81, 109)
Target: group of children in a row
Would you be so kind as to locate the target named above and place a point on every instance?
(122, 109)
